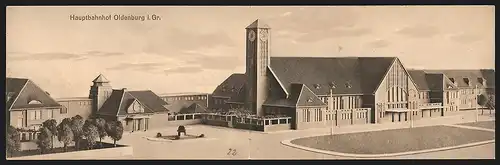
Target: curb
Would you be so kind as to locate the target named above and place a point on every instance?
(289, 144)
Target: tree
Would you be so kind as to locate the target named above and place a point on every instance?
(114, 130)
(43, 141)
(100, 123)
(77, 128)
(51, 124)
(91, 133)
(65, 135)
(13, 140)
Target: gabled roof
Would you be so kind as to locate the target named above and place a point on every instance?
(20, 92)
(419, 78)
(471, 75)
(231, 86)
(300, 95)
(100, 79)
(351, 75)
(120, 100)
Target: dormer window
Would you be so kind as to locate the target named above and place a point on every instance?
(223, 88)
(482, 81)
(317, 86)
(452, 80)
(348, 85)
(332, 85)
(449, 86)
(466, 80)
(233, 89)
(310, 100)
(34, 102)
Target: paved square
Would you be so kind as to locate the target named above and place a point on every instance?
(482, 124)
(395, 141)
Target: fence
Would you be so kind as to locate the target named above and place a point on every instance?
(248, 122)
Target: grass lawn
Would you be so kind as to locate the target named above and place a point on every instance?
(482, 124)
(395, 141)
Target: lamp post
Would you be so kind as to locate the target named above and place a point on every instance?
(476, 104)
(330, 105)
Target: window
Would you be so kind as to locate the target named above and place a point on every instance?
(20, 122)
(38, 115)
(32, 115)
(50, 114)
(64, 110)
(452, 80)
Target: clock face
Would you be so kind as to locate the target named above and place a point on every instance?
(263, 35)
(251, 35)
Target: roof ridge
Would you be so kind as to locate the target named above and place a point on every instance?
(120, 103)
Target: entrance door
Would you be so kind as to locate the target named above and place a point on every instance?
(139, 121)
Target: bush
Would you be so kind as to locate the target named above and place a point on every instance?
(158, 135)
(177, 137)
(202, 135)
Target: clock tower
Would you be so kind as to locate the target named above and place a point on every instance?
(257, 61)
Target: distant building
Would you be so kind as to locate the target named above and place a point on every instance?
(466, 81)
(28, 106)
(330, 91)
(202, 99)
(137, 110)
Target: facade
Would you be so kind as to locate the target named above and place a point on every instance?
(28, 106)
(137, 110)
(202, 100)
(470, 84)
(333, 91)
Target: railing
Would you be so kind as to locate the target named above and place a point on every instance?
(263, 120)
(431, 104)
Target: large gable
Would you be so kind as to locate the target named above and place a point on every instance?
(23, 93)
(120, 102)
(350, 75)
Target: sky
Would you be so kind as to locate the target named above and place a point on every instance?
(194, 49)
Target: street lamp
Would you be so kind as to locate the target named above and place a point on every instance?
(330, 105)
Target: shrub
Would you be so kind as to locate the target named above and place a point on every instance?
(177, 137)
(158, 135)
(13, 140)
(202, 135)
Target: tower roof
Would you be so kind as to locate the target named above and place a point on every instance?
(100, 79)
(258, 24)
